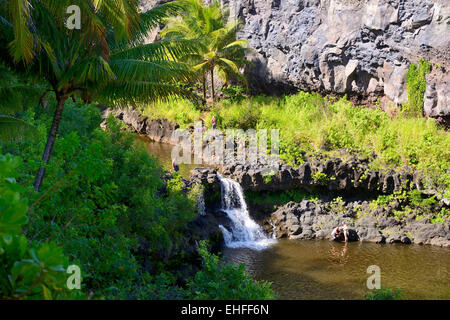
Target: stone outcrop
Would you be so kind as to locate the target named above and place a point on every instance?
(316, 220)
(362, 48)
(333, 174)
(159, 130)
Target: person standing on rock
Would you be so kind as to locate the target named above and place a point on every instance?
(345, 230)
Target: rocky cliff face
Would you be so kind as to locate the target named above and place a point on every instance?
(359, 47)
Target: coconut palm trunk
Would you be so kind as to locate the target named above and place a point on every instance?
(212, 85)
(61, 100)
(204, 86)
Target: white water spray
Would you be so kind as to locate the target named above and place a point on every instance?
(244, 231)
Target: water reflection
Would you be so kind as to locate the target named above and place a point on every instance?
(163, 152)
(338, 253)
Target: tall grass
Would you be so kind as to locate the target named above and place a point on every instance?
(310, 123)
(181, 111)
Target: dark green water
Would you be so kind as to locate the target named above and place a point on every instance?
(330, 270)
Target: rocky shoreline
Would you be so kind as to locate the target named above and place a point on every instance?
(316, 220)
(311, 219)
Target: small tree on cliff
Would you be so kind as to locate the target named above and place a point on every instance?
(220, 51)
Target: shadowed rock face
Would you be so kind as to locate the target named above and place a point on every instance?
(359, 47)
(362, 48)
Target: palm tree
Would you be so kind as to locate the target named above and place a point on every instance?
(106, 60)
(220, 51)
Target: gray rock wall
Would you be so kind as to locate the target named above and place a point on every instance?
(359, 47)
(316, 220)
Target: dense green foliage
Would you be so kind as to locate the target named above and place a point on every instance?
(106, 206)
(28, 269)
(219, 280)
(413, 203)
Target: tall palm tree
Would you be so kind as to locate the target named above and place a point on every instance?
(220, 51)
(106, 60)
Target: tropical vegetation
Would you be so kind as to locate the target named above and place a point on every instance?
(220, 52)
(105, 205)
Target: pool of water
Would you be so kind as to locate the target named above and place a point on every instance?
(328, 270)
(163, 151)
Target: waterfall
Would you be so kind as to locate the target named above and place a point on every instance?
(245, 232)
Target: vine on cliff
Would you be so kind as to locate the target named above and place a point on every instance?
(416, 81)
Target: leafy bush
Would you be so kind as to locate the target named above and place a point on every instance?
(442, 216)
(320, 177)
(234, 93)
(218, 280)
(28, 270)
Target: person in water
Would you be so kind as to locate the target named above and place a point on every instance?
(175, 167)
(335, 233)
(214, 122)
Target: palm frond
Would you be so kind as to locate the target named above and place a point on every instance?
(155, 16)
(141, 70)
(167, 49)
(22, 45)
(140, 92)
(14, 129)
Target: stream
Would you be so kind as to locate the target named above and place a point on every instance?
(321, 269)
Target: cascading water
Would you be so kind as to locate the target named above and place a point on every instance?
(244, 231)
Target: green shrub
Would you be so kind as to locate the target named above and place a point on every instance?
(28, 270)
(320, 177)
(385, 294)
(223, 281)
(442, 216)
(234, 93)
(416, 199)
(268, 177)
